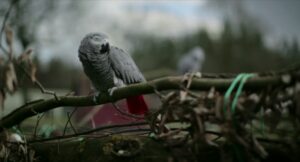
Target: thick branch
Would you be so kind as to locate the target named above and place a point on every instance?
(168, 83)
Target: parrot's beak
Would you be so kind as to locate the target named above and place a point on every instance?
(104, 48)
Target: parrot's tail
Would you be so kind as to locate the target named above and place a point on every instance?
(137, 105)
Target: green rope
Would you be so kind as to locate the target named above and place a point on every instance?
(242, 78)
(229, 91)
(239, 90)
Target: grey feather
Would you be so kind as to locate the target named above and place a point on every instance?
(105, 65)
(124, 67)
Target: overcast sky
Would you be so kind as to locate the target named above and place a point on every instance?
(61, 36)
(282, 17)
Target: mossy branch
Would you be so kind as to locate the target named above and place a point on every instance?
(162, 84)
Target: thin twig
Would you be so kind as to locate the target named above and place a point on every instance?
(266, 140)
(160, 95)
(147, 130)
(69, 121)
(39, 117)
(125, 113)
(74, 130)
(162, 84)
(33, 102)
(169, 134)
(4, 24)
(45, 91)
(37, 83)
(90, 131)
(162, 126)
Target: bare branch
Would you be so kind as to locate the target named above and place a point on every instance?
(168, 83)
(39, 117)
(6, 16)
(43, 90)
(38, 83)
(69, 121)
(125, 113)
(90, 131)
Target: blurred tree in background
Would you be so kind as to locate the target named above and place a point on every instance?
(26, 16)
(58, 75)
(239, 47)
(236, 49)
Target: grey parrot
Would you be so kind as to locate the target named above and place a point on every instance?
(109, 67)
(192, 61)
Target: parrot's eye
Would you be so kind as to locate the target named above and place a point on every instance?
(96, 38)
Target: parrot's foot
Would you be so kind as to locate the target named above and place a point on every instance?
(111, 90)
(96, 97)
(192, 75)
(197, 75)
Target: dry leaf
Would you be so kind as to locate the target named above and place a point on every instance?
(11, 78)
(2, 83)
(33, 70)
(31, 155)
(1, 60)
(286, 78)
(2, 151)
(183, 95)
(211, 93)
(2, 98)
(259, 148)
(9, 38)
(25, 56)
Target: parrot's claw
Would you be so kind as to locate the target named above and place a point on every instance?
(96, 97)
(193, 75)
(111, 90)
(197, 75)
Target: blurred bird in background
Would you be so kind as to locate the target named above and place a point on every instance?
(192, 61)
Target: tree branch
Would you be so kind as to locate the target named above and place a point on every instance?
(167, 83)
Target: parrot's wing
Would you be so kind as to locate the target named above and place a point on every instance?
(124, 67)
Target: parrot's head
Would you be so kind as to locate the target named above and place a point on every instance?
(96, 43)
